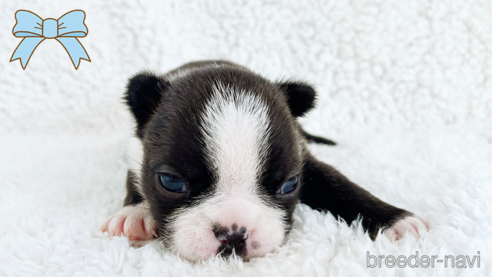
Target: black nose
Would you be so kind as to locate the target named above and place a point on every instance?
(231, 239)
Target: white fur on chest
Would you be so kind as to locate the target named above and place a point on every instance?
(134, 160)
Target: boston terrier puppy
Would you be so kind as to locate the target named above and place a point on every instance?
(219, 162)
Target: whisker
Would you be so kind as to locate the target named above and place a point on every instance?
(134, 159)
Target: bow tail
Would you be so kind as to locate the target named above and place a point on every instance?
(25, 49)
(74, 49)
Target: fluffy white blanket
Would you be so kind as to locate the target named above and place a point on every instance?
(404, 87)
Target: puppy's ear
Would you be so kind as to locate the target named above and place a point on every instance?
(301, 97)
(143, 96)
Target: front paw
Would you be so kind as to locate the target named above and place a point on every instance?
(134, 222)
(413, 224)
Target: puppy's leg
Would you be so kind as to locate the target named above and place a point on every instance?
(324, 188)
(134, 220)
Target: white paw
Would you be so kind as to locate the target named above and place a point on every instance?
(134, 222)
(413, 224)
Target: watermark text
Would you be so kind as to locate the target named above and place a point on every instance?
(413, 261)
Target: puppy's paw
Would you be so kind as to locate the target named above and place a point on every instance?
(134, 222)
(413, 224)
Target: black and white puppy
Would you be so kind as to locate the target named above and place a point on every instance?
(219, 162)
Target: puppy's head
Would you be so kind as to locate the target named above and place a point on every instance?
(222, 160)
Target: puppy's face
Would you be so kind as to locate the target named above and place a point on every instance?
(222, 162)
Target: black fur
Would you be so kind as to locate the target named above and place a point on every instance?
(300, 97)
(316, 139)
(143, 95)
(326, 189)
(132, 196)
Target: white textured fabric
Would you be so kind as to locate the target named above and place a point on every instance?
(404, 88)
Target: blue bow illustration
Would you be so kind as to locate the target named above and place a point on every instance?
(65, 30)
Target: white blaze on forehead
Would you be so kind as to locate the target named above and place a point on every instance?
(236, 131)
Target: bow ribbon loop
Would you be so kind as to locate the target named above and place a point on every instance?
(34, 30)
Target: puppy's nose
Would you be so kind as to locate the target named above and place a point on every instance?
(232, 239)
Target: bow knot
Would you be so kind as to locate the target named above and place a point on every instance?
(65, 30)
(50, 28)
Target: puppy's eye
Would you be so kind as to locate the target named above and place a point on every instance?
(289, 186)
(172, 183)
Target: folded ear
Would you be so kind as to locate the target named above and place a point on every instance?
(143, 96)
(300, 97)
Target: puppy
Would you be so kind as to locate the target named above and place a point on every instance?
(219, 162)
